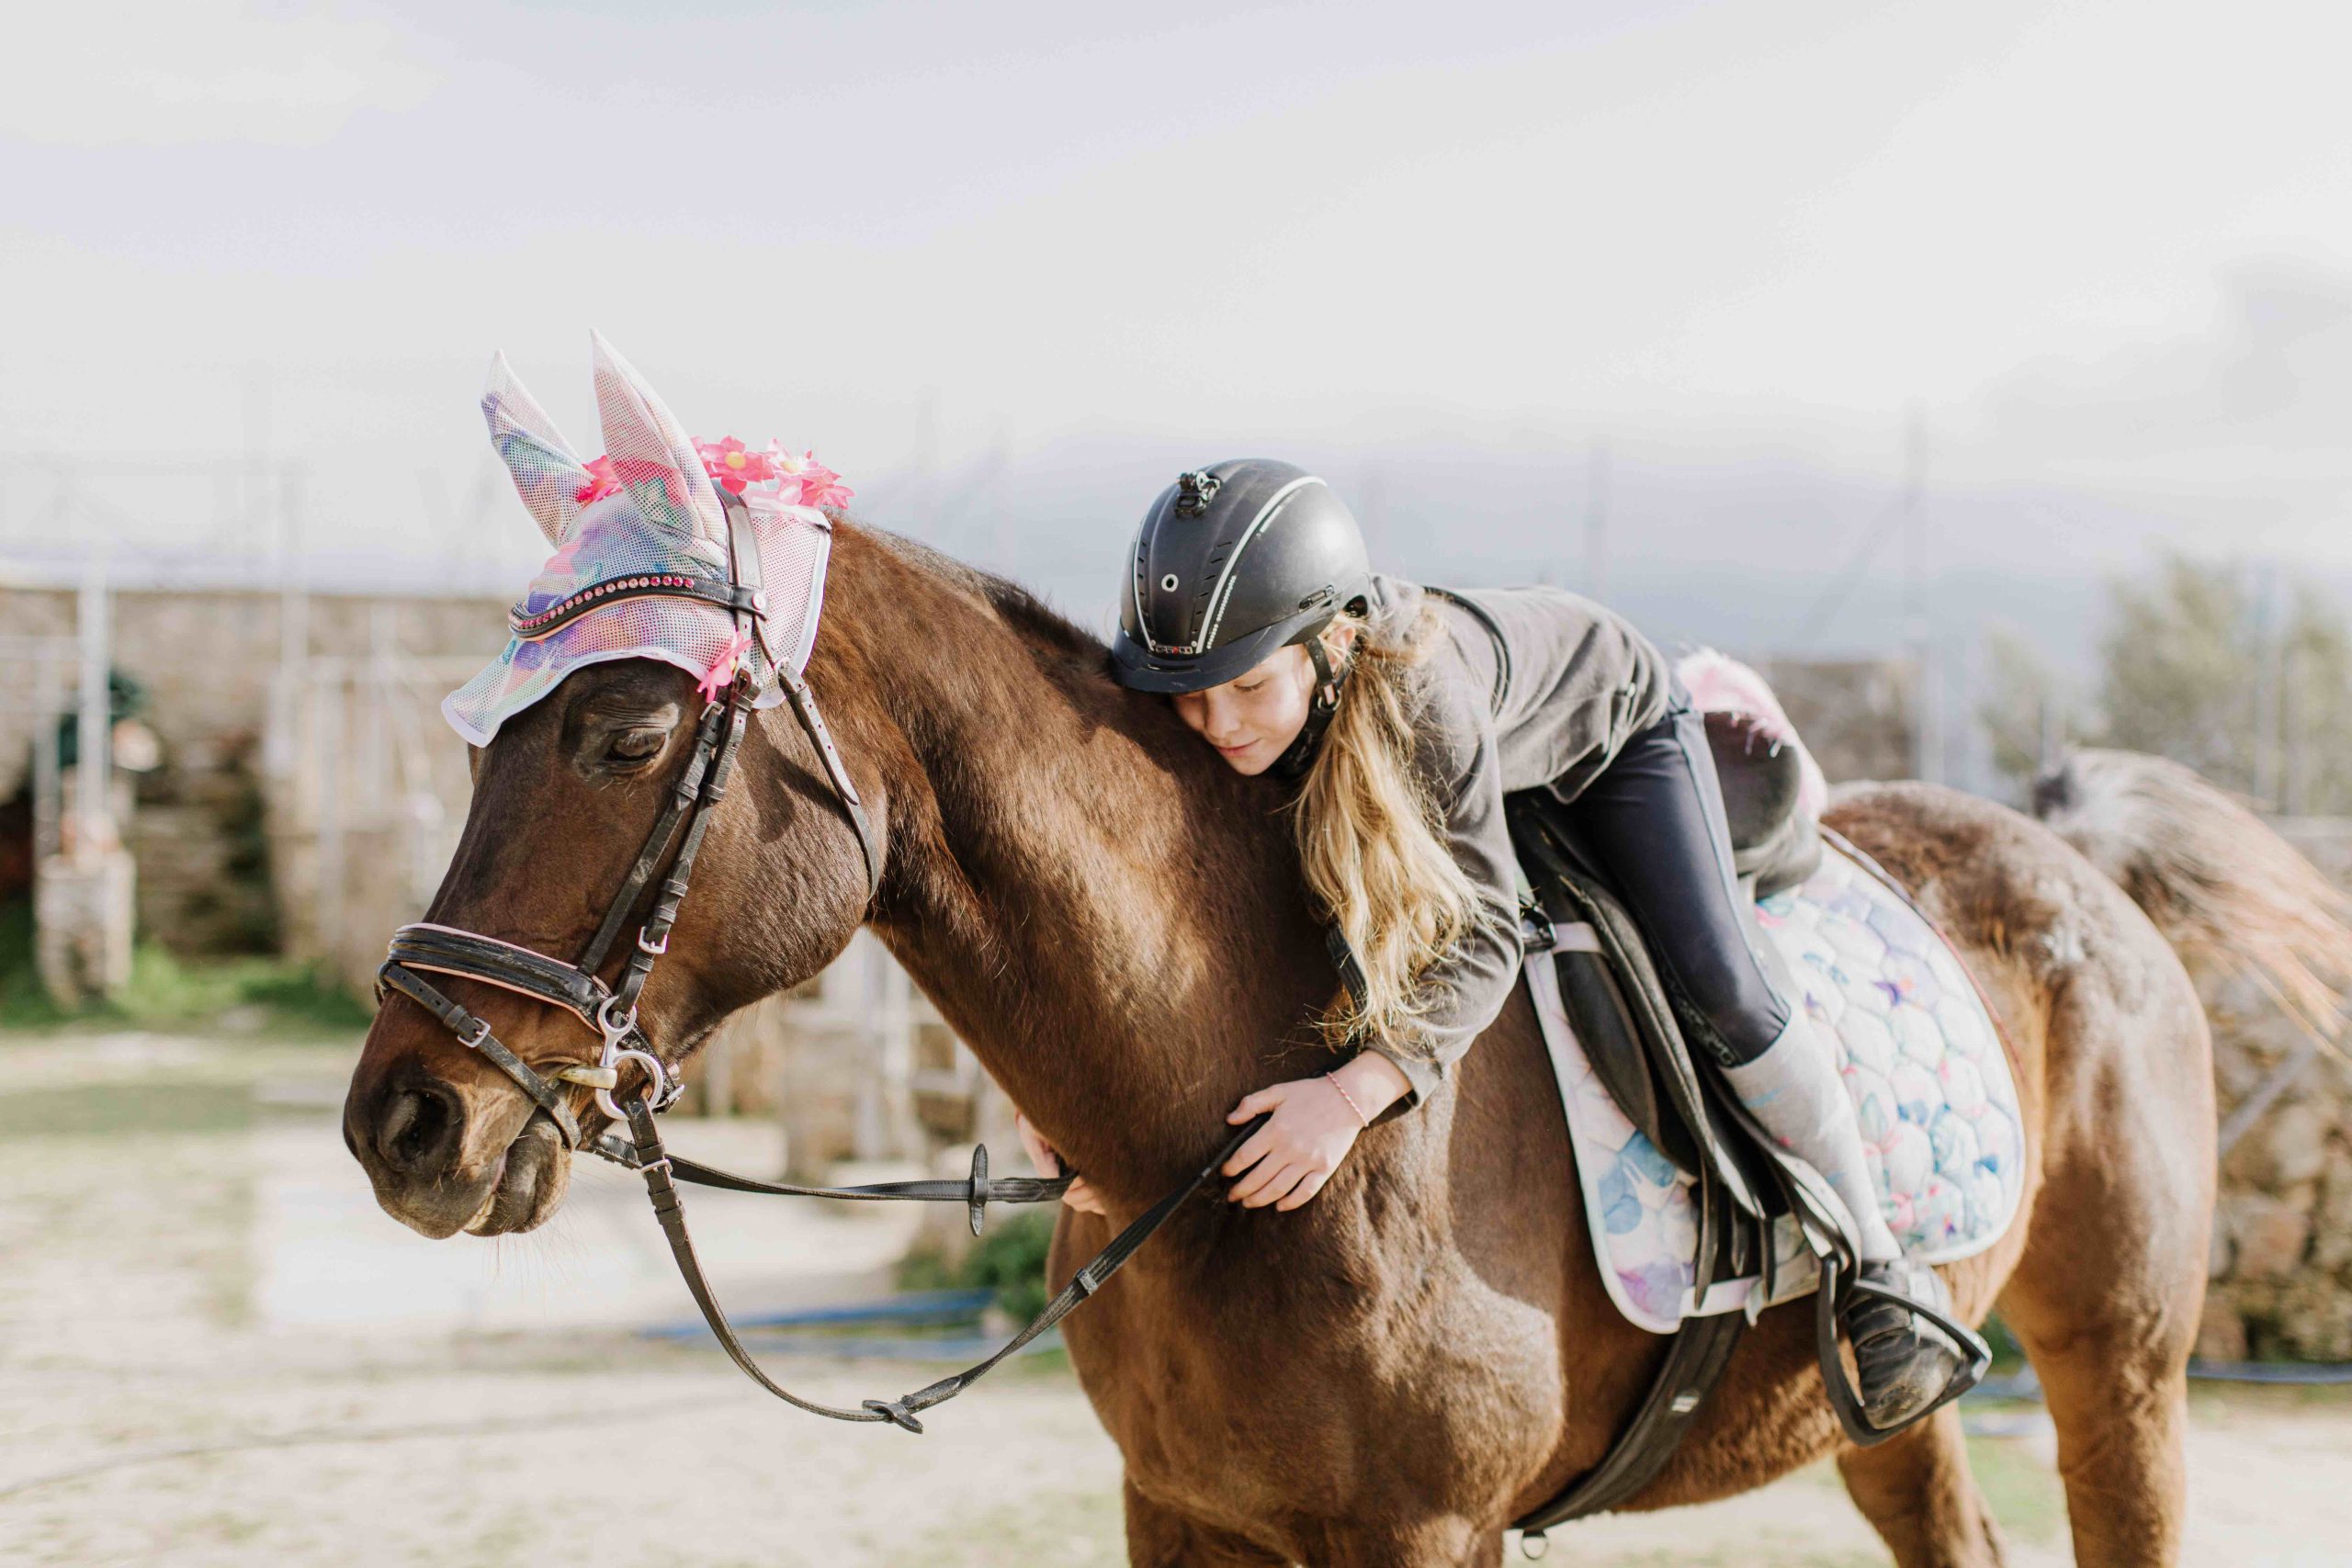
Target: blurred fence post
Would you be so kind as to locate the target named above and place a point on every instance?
(83, 892)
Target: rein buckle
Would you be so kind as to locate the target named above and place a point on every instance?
(895, 1412)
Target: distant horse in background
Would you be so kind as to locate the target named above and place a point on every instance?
(1115, 921)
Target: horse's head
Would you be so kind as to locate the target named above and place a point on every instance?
(579, 752)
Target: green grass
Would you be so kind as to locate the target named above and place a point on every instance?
(1010, 1260)
(2024, 1494)
(110, 1109)
(166, 992)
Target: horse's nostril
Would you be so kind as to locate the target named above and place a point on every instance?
(419, 1129)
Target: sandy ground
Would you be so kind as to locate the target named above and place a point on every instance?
(214, 1351)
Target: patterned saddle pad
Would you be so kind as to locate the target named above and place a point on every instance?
(1918, 1053)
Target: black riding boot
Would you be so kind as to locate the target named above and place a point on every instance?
(1905, 1365)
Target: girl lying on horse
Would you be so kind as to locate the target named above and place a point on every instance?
(1405, 717)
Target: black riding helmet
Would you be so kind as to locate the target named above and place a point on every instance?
(1232, 562)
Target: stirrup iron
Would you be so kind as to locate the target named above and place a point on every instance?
(1845, 1399)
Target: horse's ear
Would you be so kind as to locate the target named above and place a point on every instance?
(547, 475)
(646, 442)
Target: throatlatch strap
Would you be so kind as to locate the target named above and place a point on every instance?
(804, 708)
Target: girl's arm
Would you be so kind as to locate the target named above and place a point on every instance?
(1315, 1120)
(1467, 988)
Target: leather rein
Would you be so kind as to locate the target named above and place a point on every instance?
(611, 1010)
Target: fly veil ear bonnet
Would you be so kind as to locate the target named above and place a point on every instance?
(707, 557)
(642, 567)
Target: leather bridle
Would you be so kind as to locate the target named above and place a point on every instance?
(611, 1009)
(579, 988)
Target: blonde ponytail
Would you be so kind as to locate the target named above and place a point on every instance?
(1368, 841)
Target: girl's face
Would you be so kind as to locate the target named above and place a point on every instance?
(1252, 719)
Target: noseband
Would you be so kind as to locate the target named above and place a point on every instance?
(579, 989)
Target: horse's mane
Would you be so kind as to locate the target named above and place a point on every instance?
(1039, 620)
(1027, 614)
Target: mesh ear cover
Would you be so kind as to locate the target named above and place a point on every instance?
(646, 508)
(611, 539)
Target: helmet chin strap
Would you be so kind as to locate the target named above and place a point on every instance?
(1325, 702)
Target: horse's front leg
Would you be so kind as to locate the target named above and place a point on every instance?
(1159, 1536)
(1443, 1541)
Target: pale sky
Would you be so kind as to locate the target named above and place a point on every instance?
(2099, 245)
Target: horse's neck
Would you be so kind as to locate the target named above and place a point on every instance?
(1113, 927)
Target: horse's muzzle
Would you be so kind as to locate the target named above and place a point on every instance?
(445, 1157)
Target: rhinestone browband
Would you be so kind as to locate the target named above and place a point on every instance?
(651, 584)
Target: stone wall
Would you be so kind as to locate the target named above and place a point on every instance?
(2282, 1230)
(210, 663)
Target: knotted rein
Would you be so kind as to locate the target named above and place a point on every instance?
(611, 1010)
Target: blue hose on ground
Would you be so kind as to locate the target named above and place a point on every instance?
(2024, 1384)
(773, 1332)
(2300, 1374)
(949, 1306)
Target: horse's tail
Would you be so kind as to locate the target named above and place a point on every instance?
(2226, 888)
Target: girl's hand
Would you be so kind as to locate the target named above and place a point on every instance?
(1048, 1162)
(1315, 1124)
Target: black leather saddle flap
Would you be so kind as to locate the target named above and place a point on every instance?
(1625, 1012)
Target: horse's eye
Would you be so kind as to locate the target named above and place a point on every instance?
(636, 745)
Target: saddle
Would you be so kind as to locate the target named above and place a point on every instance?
(1628, 1019)
(1636, 1030)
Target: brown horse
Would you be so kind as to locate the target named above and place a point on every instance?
(1115, 921)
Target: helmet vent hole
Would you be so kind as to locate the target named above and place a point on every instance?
(1168, 583)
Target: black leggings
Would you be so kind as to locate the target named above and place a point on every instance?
(1655, 816)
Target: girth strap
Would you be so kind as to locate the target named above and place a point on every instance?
(1694, 1363)
(656, 1165)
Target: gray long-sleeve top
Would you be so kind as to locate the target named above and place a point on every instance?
(1570, 683)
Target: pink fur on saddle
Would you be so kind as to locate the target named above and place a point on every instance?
(1720, 683)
